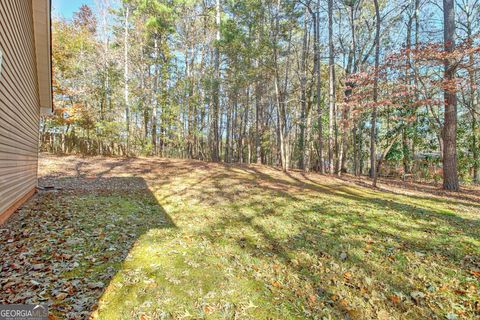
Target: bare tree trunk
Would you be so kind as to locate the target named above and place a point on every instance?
(286, 132)
(258, 118)
(473, 99)
(331, 88)
(407, 159)
(191, 111)
(281, 124)
(450, 175)
(348, 92)
(227, 142)
(415, 79)
(355, 150)
(245, 133)
(352, 65)
(373, 169)
(125, 78)
(361, 160)
(279, 96)
(155, 99)
(318, 85)
(146, 113)
(303, 97)
(475, 138)
(235, 125)
(216, 90)
(307, 147)
(476, 160)
(104, 12)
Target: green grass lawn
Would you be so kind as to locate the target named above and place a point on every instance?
(251, 243)
(205, 241)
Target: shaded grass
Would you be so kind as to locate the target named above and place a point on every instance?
(105, 226)
(63, 246)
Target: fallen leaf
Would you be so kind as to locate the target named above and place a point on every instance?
(417, 296)
(61, 296)
(383, 315)
(38, 266)
(208, 309)
(8, 285)
(395, 299)
(96, 285)
(452, 316)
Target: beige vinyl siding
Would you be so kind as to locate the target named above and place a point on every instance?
(19, 102)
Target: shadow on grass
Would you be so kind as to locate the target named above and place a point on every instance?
(419, 211)
(394, 240)
(401, 230)
(90, 226)
(465, 197)
(291, 217)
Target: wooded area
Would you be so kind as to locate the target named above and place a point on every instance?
(157, 238)
(362, 87)
(240, 159)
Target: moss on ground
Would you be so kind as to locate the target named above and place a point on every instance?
(252, 245)
(173, 239)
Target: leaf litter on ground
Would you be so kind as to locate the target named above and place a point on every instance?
(141, 238)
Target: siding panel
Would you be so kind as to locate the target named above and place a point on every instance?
(17, 71)
(19, 103)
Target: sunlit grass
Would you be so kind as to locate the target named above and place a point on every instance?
(255, 246)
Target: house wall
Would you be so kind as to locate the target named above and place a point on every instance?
(19, 105)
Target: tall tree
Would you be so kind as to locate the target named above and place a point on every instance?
(126, 76)
(449, 134)
(318, 69)
(331, 88)
(243, 81)
(216, 87)
(303, 141)
(373, 124)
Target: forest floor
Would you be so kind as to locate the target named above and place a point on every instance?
(150, 238)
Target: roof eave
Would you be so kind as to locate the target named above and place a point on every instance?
(43, 51)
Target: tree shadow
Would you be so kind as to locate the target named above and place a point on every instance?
(421, 210)
(329, 244)
(432, 243)
(466, 196)
(334, 229)
(78, 233)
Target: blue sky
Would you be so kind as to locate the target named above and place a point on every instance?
(66, 8)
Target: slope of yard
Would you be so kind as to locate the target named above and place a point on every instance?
(176, 239)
